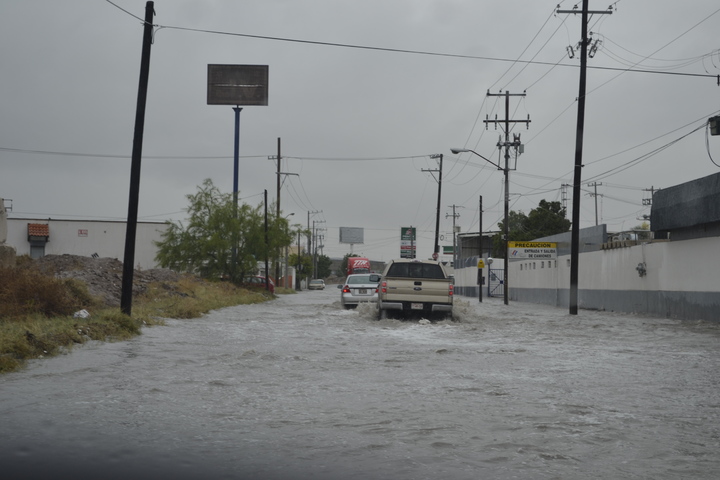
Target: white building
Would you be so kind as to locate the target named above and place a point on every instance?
(87, 238)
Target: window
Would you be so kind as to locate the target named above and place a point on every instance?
(362, 279)
(415, 270)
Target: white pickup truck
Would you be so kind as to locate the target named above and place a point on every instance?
(415, 288)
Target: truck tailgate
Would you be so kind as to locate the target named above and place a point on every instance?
(418, 290)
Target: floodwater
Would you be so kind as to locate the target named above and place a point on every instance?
(299, 388)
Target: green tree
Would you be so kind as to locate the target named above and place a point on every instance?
(205, 245)
(545, 220)
(643, 231)
(303, 264)
(323, 266)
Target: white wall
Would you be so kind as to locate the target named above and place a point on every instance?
(682, 279)
(690, 266)
(106, 239)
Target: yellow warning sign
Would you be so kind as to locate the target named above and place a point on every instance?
(532, 245)
(532, 250)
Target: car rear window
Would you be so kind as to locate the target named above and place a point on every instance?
(415, 270)
(359, 279)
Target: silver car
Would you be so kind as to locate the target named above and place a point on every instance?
(358, 288)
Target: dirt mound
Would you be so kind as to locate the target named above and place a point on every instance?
(103, 276)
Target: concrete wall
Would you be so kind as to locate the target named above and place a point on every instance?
(682, 279)
(88, 237)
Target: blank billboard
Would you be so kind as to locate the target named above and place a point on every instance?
(352, 235)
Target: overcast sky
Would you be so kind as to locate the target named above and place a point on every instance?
(361, 94)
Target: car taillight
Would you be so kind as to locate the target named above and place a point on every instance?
(384, 287)
(450, 292)
(346, 289)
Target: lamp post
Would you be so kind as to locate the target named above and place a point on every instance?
(506, 171)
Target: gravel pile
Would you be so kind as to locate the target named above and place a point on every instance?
(103, 276)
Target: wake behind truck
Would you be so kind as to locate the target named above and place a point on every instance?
(410, 288)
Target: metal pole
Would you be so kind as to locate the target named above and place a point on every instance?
(575, 236)
(436, 251)
(297, 270)
(506, 287)
(480, 271)
(267, 273)
(131, 229)
(236, 171)
(277, 252)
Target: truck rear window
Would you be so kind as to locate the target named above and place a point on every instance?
(415, 270)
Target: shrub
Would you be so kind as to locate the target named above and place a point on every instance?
(28, 292)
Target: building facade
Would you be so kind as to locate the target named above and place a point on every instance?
(88, 238)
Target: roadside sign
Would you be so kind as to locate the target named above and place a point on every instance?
(532, 250)
(407, 242)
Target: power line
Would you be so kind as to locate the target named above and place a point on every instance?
(404, 51)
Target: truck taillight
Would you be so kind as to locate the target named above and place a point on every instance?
(384, 287)
(450, 292)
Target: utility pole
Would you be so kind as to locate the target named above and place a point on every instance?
(436, 251)
(131, 228)
(315, 235)
(518, 148)
(454, 216)
(277, 253)
(563, 195)
(310, 233)
(480, 212)
(480, 275)
(595, 184)
(267, 274)
(577, 182)
(648, 201)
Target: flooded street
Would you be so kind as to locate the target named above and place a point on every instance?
(299, 388)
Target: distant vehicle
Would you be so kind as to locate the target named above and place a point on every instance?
(415, 288)
(317, 284)
(358, 288)
(256, 282)
(358, 265)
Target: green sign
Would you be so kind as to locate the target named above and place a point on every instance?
(407, 242)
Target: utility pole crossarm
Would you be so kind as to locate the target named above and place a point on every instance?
(609, 11)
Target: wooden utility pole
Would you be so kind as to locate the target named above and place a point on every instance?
(454, 216)
(507, 144)
(436, 251)
(575, 236)
(595, 184)
(131, 228)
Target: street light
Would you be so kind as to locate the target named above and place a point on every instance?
(506, 171)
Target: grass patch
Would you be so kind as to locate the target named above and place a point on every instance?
(36, 312)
